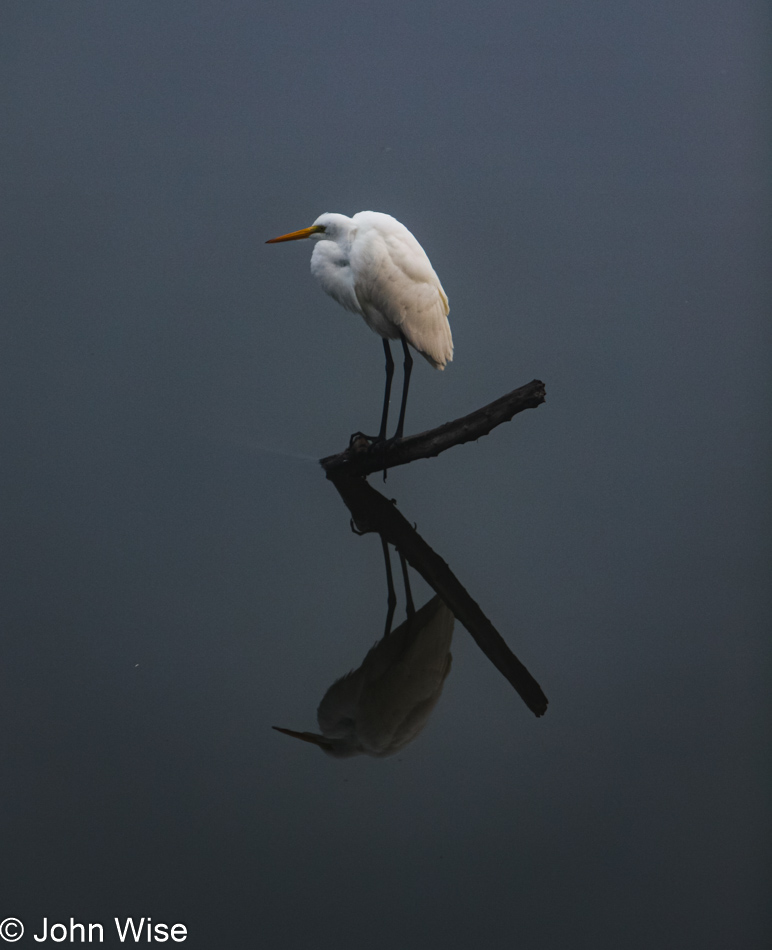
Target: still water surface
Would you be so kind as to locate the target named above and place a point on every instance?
(179, 577)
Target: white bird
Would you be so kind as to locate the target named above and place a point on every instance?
(372, 265)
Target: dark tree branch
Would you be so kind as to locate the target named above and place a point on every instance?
(372, 512)
(364, 458)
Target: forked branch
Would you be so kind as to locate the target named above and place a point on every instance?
(364, 457)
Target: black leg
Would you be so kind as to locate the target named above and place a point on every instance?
(387, 394)
(409, 606)
(405, 386)
(392, 597)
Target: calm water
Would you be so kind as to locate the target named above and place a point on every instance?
(180, 577)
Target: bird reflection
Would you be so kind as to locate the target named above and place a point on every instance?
(383, 705)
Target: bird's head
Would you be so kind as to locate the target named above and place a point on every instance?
(343, 748)
(328, 226)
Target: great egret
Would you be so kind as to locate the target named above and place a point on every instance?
(372, 265)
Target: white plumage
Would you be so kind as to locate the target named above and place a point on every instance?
(372, 265)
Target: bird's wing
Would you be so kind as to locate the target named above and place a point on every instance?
(397, 698)
(395, 281)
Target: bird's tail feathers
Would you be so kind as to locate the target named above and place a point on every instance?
(435, 344)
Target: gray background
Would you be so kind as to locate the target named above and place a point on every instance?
(589, 180)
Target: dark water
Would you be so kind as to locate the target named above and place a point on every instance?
(179, 576)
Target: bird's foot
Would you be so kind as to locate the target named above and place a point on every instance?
(373, 440)
(359, 441)
(369, 439)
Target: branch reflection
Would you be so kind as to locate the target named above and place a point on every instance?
(384, 704)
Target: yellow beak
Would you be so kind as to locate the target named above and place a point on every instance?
(297, 235)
